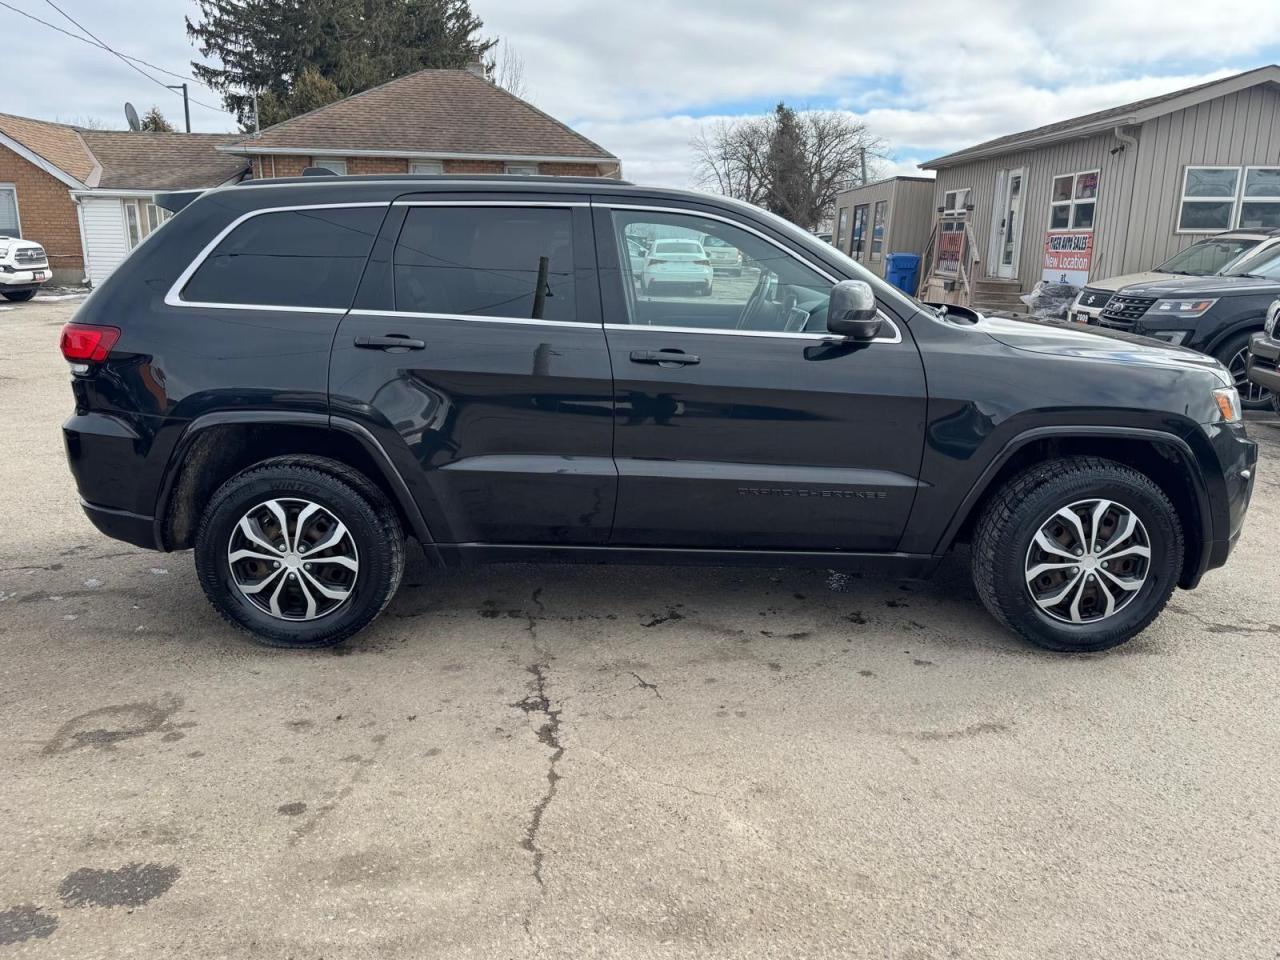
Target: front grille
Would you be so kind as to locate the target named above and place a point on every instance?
(1094, 299)
(30, 256)
(1123, 312)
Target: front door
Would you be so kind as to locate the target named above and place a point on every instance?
(475, 353)
(1010, 224)
(739, 422)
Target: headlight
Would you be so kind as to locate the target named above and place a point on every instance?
(1174, 337)
(4, 252)
(1228, 400)
(1182, 308)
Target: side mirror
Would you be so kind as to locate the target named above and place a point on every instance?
(852, 310)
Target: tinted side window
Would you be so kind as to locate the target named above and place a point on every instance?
(293, 258)
(486, 261)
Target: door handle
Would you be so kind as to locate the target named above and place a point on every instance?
(665, 358)
(393, 341)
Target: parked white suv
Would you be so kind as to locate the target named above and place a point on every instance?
(23, 268)
(1216, 254)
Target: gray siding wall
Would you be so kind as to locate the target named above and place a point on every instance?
(1138, 189)
(908, 218)
(911, 216)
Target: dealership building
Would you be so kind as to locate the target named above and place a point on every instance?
(1111, 192)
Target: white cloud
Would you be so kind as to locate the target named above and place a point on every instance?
(928, 75)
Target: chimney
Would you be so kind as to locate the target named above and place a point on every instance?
(476, 69)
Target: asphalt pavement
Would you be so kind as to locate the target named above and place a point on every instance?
(557, 761)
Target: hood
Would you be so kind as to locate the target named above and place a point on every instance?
(14, 242)
(1097, 343)
(1115, 283)
(1212, 286)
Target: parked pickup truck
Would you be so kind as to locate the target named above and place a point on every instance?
(23, 268)
(307, 372)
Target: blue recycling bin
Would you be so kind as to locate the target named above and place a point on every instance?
(902, 270)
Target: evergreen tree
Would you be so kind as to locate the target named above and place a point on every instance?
(788, 195)
(298, 52)
(155, 122)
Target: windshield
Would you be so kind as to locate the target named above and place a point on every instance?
(1265, 265)
(1208, 256)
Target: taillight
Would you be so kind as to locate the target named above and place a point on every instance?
(702, 263)
(655, 260)
(86, 343)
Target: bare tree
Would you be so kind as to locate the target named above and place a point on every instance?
(85, 122)
(825, 153)
(507, 71)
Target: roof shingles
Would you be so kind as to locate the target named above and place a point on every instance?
(163, 161)
(431, 111)
(56, 143)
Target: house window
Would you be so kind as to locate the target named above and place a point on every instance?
(141, 219)
(954, 202)
(877, 229)
(426, 167)
(1208, 199)
(842, 223)
(859, 229)
(332, 164)
(1073, 201)
(1221, 198)
(522, 169)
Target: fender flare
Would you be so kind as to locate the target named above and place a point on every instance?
(1237, 328)
(316, 421)
(1183, 449)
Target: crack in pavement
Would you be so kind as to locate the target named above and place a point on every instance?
(644, 684)
(537, 701)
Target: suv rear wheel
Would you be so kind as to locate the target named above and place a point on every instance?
(1078, 554)
(18, 296)
(299, 551)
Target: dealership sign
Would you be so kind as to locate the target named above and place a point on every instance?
(1068, 255)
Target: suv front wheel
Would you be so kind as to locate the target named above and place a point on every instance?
(299, 551)
(1078, 554)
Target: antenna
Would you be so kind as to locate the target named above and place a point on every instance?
(131, 115)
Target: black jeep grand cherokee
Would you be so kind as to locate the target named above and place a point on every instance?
(295, 375)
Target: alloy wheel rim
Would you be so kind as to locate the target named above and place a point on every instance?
(1249, 391)
(293, 559)
(1088, 561)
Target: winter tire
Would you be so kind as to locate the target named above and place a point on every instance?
(18, 296)
(1077, 555)
(299, 551)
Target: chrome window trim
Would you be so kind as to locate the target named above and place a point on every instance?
(896, 337)
(771, 334)
(174, 297)
(527, 321)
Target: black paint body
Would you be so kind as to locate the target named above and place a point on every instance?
(508, 438)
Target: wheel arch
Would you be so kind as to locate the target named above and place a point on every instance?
(1165, 458)
(1250, 324)
(217, 446)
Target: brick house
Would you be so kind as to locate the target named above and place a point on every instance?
(432, 121)
(87, 196)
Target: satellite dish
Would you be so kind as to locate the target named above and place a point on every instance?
(131, 115)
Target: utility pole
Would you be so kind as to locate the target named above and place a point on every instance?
(186, 102)
(862, 164)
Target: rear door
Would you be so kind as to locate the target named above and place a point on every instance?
(741, 423)
(476, 354)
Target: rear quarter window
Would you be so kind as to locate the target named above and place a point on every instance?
(289, 258)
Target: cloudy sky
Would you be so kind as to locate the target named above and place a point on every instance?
(641, 78)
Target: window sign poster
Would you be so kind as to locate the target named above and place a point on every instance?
(1068, 255)
(950, 249)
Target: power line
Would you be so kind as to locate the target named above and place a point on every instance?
(123, 59)
(123, 56)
